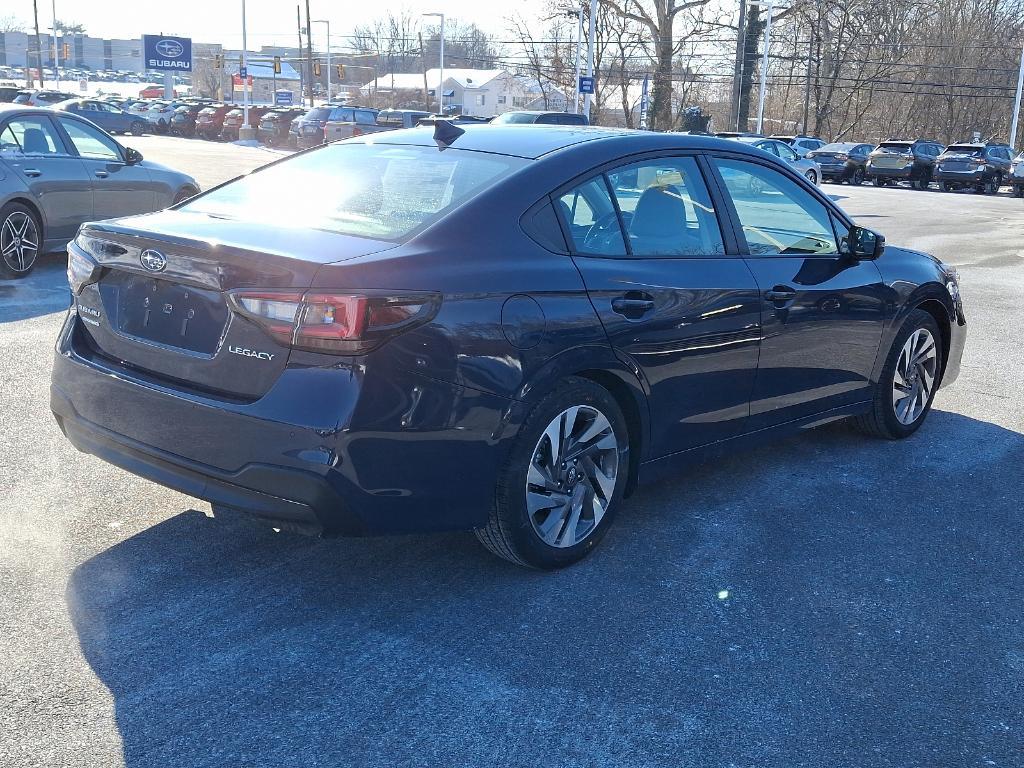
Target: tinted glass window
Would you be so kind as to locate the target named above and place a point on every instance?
(31, 136)
(543, 227)
(786, 153)
(592, 220)
(90, 142)
(365, 118)
(368, 190)
(778, 216)
(666, 208)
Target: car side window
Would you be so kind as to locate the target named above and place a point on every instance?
(778, 216)
(786, 153)
(31, 135)
(592, 220)
(768, 147)
(91, 143)
(365, 118)
(666, 208)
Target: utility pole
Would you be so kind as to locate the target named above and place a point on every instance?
(39, 46)
(56, 51)
(298, 26)
(770, 4)
(1016, 103)
(309, 56)
(245, 131)
(578, 13)
(590, 56)
(440, 85)
(807, 87)
(740, 61)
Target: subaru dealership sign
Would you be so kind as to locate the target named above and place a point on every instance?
(168, 54)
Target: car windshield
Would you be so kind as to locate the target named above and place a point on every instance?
(380, 191)
(515, 117)
(965, 149)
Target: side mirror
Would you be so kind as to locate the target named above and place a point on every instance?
(864, 244)
(132, 156)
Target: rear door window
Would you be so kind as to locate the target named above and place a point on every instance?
(365, 117)
(666, 208)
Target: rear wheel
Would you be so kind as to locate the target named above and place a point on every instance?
(879, 182)
(564, 479)
(20, 240)
(905, 390)
(857, 178)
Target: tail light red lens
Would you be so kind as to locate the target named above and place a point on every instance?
(335, 321)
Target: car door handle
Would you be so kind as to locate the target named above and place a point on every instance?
(633, 304)
(33, 172)
(780, 293)
(101, 174)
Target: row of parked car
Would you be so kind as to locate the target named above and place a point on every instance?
(981, 166)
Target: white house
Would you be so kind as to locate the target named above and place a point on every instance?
(478, 92)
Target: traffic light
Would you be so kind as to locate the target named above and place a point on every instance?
(218, 61)
(65, 51)
(316, 68)
(341, 71)
(277, 65)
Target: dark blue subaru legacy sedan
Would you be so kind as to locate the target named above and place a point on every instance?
(498, 329)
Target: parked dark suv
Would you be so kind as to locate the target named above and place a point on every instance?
(489, 328)
(843, 161)
(897, 160)
(981, 167)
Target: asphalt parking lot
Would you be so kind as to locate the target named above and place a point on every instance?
(829, 601)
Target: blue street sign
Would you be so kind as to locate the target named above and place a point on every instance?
(243, 72)
(168, 54)
(283, 98)
(586, 84)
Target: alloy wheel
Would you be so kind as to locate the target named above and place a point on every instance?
(19, 241)
(914, 377)
(572, 476)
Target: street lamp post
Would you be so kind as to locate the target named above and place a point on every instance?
(328, 23)
(440, 85)
(770, 5)
(245, 132)
(578, 13)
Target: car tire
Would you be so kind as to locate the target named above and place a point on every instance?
(530, 527)
(812, 177)
(992, 187)
(137, 128)
(878, 181)
(16, 259)
(184, 194)
(946, 186)
(1018, 190)
(857, 178)
(891, 417)
(922, 184)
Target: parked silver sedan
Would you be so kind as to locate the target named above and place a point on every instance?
(58, 170)
(803, 166)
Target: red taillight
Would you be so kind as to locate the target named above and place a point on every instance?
(335, 321)
(357, 131)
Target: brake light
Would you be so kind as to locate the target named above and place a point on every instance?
(336, 322)
(357, 131)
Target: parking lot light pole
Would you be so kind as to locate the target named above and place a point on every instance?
(328, 23)
(1016, 103)
(248, 132)
(440, 85)
(770, 5)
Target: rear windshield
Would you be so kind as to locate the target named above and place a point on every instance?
(320, 113)
(964, 149)
(369, 190)
(895, 146)
(837, 148)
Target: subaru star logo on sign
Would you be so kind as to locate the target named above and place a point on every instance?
(169, 54)
(152, 260)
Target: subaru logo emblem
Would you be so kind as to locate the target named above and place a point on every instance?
(152, 260)
(172, 49)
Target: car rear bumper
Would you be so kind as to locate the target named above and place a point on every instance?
(891, 173)
(342, 450)
(974, 176)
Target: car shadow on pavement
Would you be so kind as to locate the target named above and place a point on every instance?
(43, 292)
(829, 600)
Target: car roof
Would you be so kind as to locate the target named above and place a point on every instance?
(534, 141)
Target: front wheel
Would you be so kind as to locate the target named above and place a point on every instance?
(905, 390)
(137, 128)
(857, 178)
(812, 177)
(564, 479)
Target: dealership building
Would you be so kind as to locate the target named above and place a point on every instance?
(85, 52)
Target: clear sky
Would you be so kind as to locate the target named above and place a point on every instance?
(269, 22)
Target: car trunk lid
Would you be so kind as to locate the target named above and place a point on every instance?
(161, 304)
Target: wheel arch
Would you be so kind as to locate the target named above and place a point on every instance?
(940, 313)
